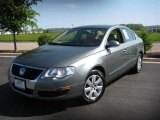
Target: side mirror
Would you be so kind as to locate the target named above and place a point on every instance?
(113, 43)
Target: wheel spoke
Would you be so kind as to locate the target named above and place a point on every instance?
(89, 82)
(90, 94)
(98, 81)
(94, 78)
(88, 89)
(98, 87)
(95, 93)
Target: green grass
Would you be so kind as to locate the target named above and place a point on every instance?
(25, 37)
(155, 36)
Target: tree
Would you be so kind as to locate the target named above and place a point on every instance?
(44, 39)
(16, 15)
(135, 27)
(144, 34)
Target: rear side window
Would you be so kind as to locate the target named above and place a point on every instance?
(128, 34)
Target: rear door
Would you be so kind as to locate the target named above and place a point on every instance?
(132, 44)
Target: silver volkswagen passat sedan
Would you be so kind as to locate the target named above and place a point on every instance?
(77, 63)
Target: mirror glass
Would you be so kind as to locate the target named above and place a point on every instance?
(113, 43)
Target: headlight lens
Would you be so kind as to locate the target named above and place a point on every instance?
(60, 72)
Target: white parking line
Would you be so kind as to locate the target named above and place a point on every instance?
(149, 62)
(8, 56)
(150, 58)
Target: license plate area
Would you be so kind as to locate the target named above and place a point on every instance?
(20, 84)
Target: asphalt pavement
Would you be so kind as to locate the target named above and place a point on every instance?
(130, 97)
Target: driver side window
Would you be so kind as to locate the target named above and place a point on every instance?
(116, 35)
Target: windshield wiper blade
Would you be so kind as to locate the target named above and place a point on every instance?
(61, 44)
(51, 43)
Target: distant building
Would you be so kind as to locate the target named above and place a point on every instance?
(5, 33)
(50, 30)
(37, 30)
(153, 28)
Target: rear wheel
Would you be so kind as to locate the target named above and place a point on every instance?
(93, 87)
(137, 68)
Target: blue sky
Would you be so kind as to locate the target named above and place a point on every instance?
(65, 13)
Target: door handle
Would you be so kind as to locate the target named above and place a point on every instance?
(137, 46)
(125, 50)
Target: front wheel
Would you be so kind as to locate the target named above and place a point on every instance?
(93, 87)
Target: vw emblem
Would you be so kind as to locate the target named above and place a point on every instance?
(22, 71)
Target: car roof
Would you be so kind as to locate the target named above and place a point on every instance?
(99, 26)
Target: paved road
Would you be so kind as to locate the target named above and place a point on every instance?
(155, 47)
(131, 97)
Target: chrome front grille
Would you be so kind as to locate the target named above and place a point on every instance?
(30, 73)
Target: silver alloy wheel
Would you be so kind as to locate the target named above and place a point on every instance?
(139, 63)
(93, 87)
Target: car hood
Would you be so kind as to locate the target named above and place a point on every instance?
(48, 56)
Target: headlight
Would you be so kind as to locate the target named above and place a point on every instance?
(60, 72)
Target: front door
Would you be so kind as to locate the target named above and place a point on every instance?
(117, 57)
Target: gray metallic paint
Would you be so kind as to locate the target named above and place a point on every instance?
(113, 60)
(54, 56)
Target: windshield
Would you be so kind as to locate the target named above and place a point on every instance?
(80, 37)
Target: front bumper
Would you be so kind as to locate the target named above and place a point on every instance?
(49, 88)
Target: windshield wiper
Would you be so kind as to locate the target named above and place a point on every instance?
(51, 43)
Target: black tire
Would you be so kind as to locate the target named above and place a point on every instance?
(98, 76)
(136, 68)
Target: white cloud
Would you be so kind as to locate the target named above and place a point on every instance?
(71, 5)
